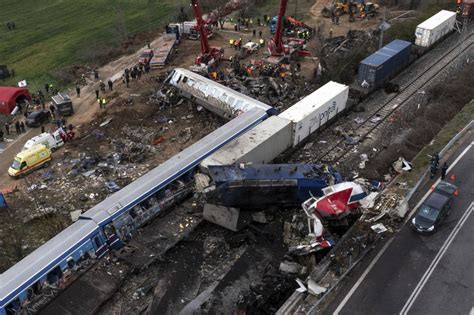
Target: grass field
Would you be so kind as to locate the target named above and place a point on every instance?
(52, 34)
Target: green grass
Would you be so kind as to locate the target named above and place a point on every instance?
(405, 28)
(53, 34)
(422, 160)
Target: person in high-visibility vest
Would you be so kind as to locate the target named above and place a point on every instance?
(231, 42)
(262, 42)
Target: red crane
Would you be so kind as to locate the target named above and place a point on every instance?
(209, 55)
(275, 45)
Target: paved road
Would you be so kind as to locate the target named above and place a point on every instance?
(423, 274)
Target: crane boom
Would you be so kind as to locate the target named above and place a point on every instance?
(205, 48)
(278, 37)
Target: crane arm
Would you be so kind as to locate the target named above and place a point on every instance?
(278, 37)
(205, 48)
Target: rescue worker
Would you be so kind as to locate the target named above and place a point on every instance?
(111, 85)
(231, 42)
(96, 74)
(7, 128)
(17, 127)
(444, 169)
(78, 90)
(97, 93)
(102, 102)
(260, 33)
(46, 87)
(102, 86)
(262, 42)
(254, 32)
(22, 126)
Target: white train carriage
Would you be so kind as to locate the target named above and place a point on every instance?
(213, 96)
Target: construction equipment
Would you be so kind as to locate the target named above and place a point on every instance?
(338, 8)
(210, 56)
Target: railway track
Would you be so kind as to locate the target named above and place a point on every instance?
(379, 116)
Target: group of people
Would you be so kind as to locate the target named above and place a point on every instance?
(434, 166)
(20, 127)
(135, 73)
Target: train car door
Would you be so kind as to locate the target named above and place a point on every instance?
(112, 237)
(101, 248)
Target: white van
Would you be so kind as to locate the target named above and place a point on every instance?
(51, 141)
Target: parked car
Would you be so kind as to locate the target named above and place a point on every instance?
(250, 47)
(435, 208)
(37, 118)
(145, 56)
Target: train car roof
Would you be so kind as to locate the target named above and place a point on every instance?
(386, 52)
(228, 90)
(173, 168)
(43, 259)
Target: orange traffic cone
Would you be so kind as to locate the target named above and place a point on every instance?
(452, 178)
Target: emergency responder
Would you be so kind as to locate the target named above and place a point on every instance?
(262, 42)
(111, 85)
(78, 90)
(231, 42)
(444, 169)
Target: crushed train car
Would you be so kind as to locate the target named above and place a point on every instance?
(251, 186)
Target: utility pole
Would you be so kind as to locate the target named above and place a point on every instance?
(383, 27)
(296, 7)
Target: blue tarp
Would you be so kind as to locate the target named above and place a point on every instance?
(3, 202)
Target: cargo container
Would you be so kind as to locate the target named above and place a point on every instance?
(316, 109)
(467, 9)
(384, 64)
(434, 28)
(262, 144)
(164, 50)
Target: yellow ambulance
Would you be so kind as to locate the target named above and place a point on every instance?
(29, 160)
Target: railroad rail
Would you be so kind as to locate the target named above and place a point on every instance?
(395, 102)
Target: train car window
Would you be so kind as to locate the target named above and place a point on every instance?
(231, 100)
(223, 97)
(97, 242)
(13, 307)
(109, 229)
(71, 263)
(54, 275)
(239, 104)
(185, 79)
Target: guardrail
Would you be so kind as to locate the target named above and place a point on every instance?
(448, 146)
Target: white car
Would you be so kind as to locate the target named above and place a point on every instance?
(250, 47)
